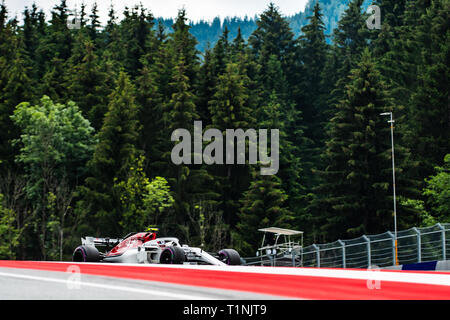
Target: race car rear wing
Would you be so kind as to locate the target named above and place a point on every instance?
(100, 242)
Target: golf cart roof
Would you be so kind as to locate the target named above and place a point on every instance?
(286, 232)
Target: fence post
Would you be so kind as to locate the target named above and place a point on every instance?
(369, 260)
(419, 245)
(393, 247)
(293, 258)
(342, 243)
(301, 256)
(271, 258)
(317, 255)
(444, 254)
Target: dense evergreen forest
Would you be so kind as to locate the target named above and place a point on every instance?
(208, 32)
(86, 118)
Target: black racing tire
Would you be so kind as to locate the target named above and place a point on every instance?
(172, 255)
(86, 254)
(230, 257)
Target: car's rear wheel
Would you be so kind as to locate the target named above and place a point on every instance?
(172, 255)
(86, 254)
(230, 257)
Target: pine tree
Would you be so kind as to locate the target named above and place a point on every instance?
(313, 51)
(275, 115)
(154, 93)
(214, 64)
(356, 193)
(392, 11)
(31, 35)
(7, 40)
(190, 183)
(241, 55)
(429, 112)
(163, 65)
(53, 51)
(86, 82)
(413, 66)
(205, 88)
(53, 84)
(149, 96)
(230, 109)
(350, 39)
(93, 27)
(277, 76)
(113, 50)
(151, 110)
(135, 31)
(262, 206)
(18, 87)
(238, 45)
(112, 157)
(181, 111)
(182, 44)
(83, 15)
(273, 36)
(58, 42)
(400, 49)
(220, 53)
(6, 56)
(393, 47)
(111, 26)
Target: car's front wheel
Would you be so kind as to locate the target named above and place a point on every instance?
(230, 257)
(172, 255)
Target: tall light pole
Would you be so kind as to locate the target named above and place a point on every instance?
(392, 121)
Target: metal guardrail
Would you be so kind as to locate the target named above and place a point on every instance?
(414, 245)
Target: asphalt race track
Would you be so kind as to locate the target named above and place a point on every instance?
(31, 280)
(18, 284)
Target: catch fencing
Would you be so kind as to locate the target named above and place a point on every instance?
(414, 245)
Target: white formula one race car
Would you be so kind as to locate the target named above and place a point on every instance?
(145, 247)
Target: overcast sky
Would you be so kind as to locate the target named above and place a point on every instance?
(196, 9)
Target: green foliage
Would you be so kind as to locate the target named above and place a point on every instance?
(273, 36)
(9, 234)
(311, 94)
(262, 206)
(182, 45)
(356, 186)
(438, 192)
(350, 38)
(418, 206)
(142, 200)
(136, 36)
(87, 82)
(428, 112)
(54, 136)
(230, 108)
(112, 157)
(229, 105)
(209, 32)
(55, 144)
(16, 84)
(320, 77)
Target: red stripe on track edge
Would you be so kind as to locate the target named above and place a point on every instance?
(282, 285)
